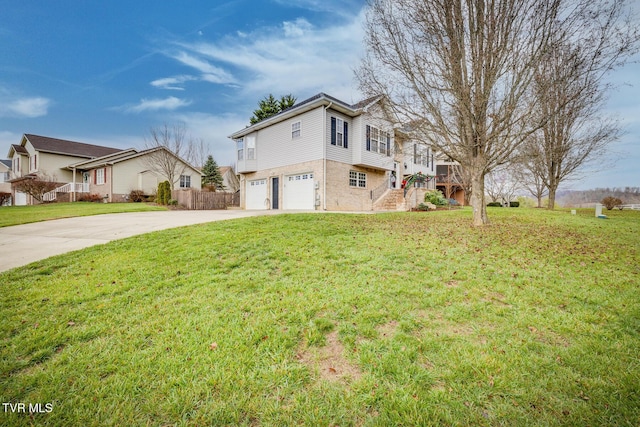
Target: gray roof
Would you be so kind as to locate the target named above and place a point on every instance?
(308, 104)
(72, 148)
(7, 163)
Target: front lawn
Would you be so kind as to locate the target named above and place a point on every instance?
(329, 319)
(14, 215)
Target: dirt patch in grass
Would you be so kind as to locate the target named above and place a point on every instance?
(330, 362)
(388, 329)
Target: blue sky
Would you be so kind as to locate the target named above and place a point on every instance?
(105, 72)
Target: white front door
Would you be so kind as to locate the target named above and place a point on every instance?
(256, 197)
(299, 191)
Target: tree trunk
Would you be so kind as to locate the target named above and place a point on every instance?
(552, 197)
(478, 205)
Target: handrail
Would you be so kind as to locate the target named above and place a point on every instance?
(377, 192)
(80, 187)
(418, 177)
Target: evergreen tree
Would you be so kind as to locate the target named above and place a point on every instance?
(270, 106)
(212, 176)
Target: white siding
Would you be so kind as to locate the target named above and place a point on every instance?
(334, 152)
(275, 147)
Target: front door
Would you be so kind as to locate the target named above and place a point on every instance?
(275, 187)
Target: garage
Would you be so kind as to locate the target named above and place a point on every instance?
(298, 192)
(21, 199)
(256, 194)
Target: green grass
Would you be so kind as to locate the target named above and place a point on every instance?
(15, 215)
(328, 319)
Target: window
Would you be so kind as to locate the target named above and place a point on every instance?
(240, 148)
(378, 141)
(295, 130)
(16, 165)
(357, 179)
(33, 163)
(100, 176)
(185, 181)
(339, 132)
(251, 148)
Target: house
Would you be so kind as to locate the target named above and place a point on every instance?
(5, 176)
(229, 179)
(450, 180)
(85, 168)
(326, 154)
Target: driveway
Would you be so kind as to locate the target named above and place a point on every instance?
(24, 244)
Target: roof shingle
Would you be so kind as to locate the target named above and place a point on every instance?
(62, 146)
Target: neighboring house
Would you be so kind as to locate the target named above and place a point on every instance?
(323, 153)
(229, 179)
(85, 168)
(5, 176)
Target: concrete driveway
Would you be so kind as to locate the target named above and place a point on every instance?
(24, 244)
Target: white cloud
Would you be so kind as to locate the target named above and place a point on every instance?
(170, 103)
(295, 58)
(29, 107)
(172, 83)
(296, 28)
(210, 72)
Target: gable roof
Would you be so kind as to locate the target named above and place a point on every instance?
(321, 99)
(7, 163)
(18, 149)
(121, 156)
(71, 148)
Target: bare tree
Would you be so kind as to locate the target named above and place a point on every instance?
(570, 88)
(169, 150)
(462, 178)
(529, 170)
(501, 185)
(36, 185)
(462, 70)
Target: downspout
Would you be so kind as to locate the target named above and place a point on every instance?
(324, 155)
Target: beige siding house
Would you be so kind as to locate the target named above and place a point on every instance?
(325, 154)
(81, 168)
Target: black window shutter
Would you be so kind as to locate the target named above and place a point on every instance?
(368, 138)
(388, 145)
(346, 135)
(333, 131)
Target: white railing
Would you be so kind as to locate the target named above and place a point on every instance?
(635, 207)
(80, 187)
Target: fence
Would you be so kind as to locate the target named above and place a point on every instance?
(204, 200)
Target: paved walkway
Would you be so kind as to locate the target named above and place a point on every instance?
(24, 244)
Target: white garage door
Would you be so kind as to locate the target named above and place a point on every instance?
(21, 199)
(256, 194)
(298, 191)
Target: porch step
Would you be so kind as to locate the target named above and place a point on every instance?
(392, 200)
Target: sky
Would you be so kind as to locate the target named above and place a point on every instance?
(106, 72)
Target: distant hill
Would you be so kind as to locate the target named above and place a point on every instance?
(587, 198)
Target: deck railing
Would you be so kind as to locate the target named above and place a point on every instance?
(79, 187)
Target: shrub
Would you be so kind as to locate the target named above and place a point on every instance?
(611, 202)
(164, 193)
(172, 202)
(436, 197)
(4, 198)
(453, 202)
(137, 196)
(94, 198)
(514, 204)
(422, 207)
(494, 204)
